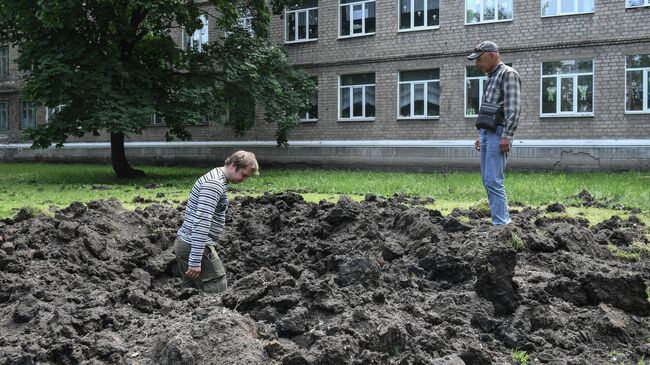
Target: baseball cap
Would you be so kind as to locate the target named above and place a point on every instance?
(486, 46)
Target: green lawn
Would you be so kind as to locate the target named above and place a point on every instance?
(41, 185)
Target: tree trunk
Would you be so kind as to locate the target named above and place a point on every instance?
(118, 158)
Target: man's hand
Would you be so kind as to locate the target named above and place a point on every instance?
(193, 272)
(477, 144)
(504, 145)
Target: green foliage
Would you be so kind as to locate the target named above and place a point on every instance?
(520, 357)
(40, 185)
(112, 64)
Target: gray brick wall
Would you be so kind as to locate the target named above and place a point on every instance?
(606, 36)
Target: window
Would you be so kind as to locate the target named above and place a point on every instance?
(357, 18)
(27, 114)
(311, 115)
(4, 114)
(301, 22)
(487, 11)
(245, 21)
(474, 80)
(637, 83)
(567, 88)
(418, 14)
(566, 7)
(49, 112)
(4, 61)
(419, 94)
(637, 3)
(357, 97)
(157, 120)
(198, 38)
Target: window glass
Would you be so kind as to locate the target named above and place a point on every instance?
(357, 96)
(567, 87)
(549, 95)
(4, 115)
(477, 11)
(637, 83)
(419, 93)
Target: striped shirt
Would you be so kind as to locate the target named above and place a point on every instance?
(503, 88)
(205, 214)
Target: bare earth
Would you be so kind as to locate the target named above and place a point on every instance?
(377, 282)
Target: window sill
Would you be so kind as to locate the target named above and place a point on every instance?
(572, 115)
(301, 41)
(490, 22)
(471, 116)
(355, 36)
(418, 29)
(424, 119)
(344, 120)
(308, 121)
(638, 6)
(567, 14)
(635, 112)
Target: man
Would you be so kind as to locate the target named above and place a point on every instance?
(502, 88)
(205, 218)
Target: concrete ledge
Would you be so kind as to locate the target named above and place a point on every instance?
(421, 155)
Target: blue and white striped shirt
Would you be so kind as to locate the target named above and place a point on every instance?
(205, 214)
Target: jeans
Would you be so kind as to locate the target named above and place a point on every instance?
(493, 163)
(213, 275)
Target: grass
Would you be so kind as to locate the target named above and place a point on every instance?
(41, 185)
(520, 357)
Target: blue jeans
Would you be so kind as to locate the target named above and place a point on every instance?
(493, 163)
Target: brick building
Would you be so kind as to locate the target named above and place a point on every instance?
(394, 85)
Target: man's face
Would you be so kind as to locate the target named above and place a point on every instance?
(485, 62)
(235, 175)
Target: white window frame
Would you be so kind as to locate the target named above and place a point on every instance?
(198, 38)
(558, 77)
(496, 13)
(363, 20)
(4, 115)
(27, 114)
(481, 81)
(297, 12)
(558, 6)
(412, 94)
(646, 89)
(51, 111)
(628, 6)
(363, 87)
(307, 118)
(4, 61)
(426, 18)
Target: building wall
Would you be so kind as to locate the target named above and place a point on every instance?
(606, 36)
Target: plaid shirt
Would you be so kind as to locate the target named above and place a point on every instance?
(503, 87)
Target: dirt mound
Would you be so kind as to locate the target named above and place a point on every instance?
(376, 282)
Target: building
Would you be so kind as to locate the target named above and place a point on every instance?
(395, 88)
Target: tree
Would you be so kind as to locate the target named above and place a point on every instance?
(111, 64)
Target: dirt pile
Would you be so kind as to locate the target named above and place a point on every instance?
(376, 282)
